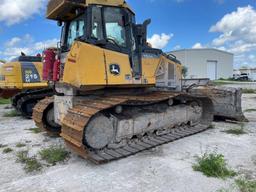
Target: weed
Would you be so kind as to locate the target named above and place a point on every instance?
(19, 145)
(7, 150)
(4, 101)
(54, 154)
(213, 165)
(12, 113)
(22, 156)
(31, 163)
(250, 110)
(236, 131)
(246, 185)
(35, 130)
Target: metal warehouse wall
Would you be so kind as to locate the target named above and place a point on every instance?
(197, 61)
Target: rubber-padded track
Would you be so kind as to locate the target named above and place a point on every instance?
(78, 117)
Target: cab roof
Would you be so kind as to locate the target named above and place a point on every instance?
(62, 9)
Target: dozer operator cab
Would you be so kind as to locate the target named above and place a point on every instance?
(111, 28)
(101, 38)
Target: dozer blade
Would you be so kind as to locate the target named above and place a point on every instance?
(8, 93)
(226, 101)
(85, 127)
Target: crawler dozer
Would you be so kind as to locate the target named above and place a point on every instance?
(21, 80)
(106, 104)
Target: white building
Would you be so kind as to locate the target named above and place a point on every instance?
(206, 63)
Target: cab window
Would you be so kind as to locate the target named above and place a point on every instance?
(76, 29)
(114, 25)
(97, 32)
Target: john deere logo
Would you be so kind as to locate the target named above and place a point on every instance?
(114, 69)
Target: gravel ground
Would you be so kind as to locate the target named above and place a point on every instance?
(165, 168)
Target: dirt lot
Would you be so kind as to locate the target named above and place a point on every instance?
(166, 168)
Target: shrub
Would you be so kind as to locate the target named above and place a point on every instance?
(53, 155)
(7, 150)
(246, 185)
(31, 163)
(213, 165)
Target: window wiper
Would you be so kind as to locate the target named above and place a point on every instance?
(114, 42)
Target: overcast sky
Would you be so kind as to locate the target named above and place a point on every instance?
(228, 25)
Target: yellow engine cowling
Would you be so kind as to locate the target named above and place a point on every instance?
(89, 67)
(16, 76)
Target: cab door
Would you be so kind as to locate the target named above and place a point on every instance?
(115, 32)
(117, 54)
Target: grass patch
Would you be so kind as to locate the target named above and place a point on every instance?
(19, 145)
(8, 150)
(221, 82)
(53, 155)
(22, 156)
(246, 185)
(250, 110)
(31, 163)
(213, 165)
(12, 113)
(236, 131)
(248, 91)
(35, 130)
(5, 101)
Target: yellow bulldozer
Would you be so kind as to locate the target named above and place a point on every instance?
(115, 95)
(21, 80)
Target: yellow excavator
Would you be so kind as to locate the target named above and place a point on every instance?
(106, 104)
(21, 80)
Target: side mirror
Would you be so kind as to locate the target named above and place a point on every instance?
(59, 23)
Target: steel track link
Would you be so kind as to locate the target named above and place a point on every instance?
(38, 114)
(78, 117)
(29, 98)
